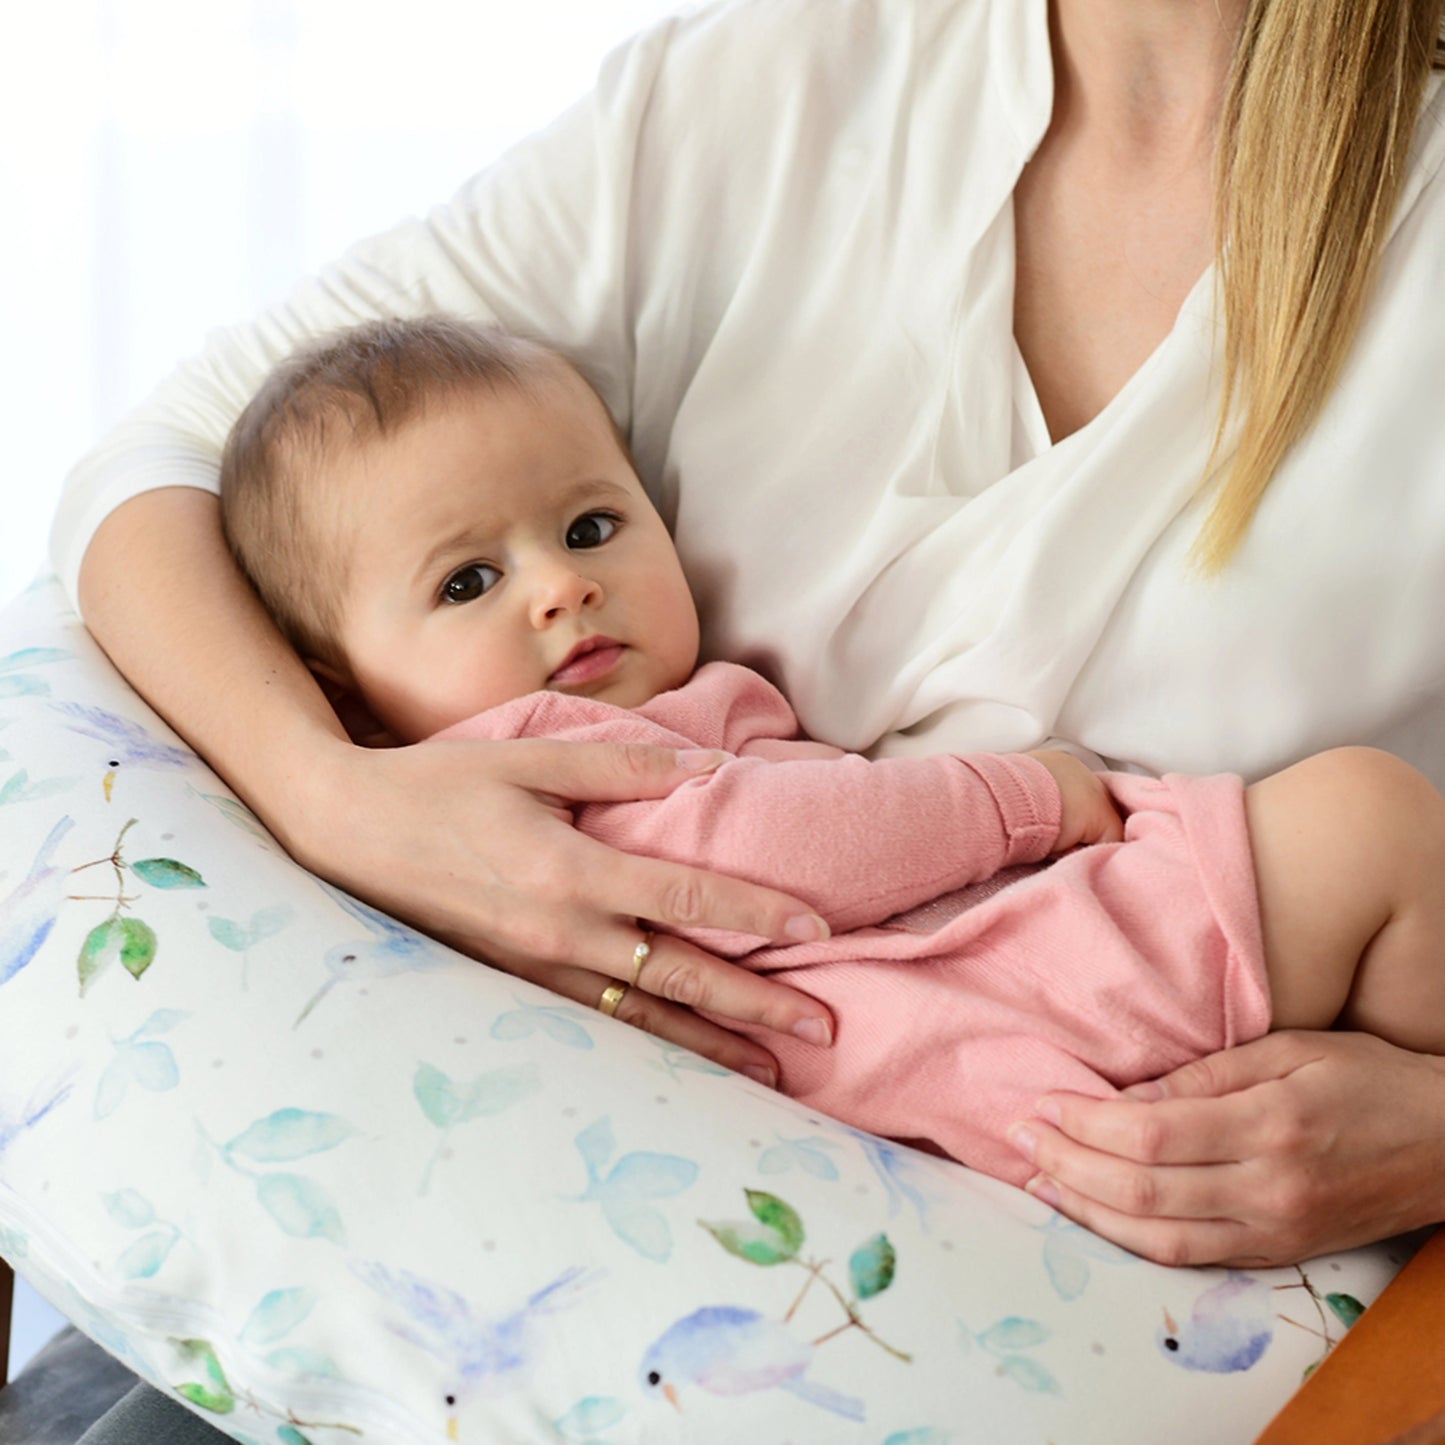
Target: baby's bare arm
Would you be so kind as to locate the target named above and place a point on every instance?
(1349, 857)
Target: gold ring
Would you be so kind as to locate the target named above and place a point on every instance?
(612, 995)
(640, 955)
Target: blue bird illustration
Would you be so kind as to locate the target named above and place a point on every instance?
(1228, 1329)
(127, 743)
(389, 949)
(732, 1351)
(30, 1115)
(484, 1357)
(30, 911)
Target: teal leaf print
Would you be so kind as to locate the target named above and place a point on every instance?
(143, 1258)
(290, 1134)
(228, 934)
(1068, 1250)
(558, 1023)
(127, 939)
(302, 1209)
(297, 1361)
(871, 1267)
(32, 657)
(624, 1191)
(278, 1313)
(129, 1209)
(1013, 1333)
(1346, 1307)
(1030, 1374)
(216, 1394)
(24, 687)
(589, 1417)
(596, 1143)
(447, 1103)
(19, 789)
(1004, 1340)
(290, 1435)
(804, 1154)
(151, 1066)
(167, 873)
(925, 1436)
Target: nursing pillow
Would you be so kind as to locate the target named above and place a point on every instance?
(327, 1181)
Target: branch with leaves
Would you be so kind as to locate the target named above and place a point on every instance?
(123, 937)
(775, 1236)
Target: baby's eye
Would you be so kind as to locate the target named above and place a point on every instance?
(592, 529)
(468, 583)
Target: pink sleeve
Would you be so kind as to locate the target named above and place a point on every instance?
(858, 841)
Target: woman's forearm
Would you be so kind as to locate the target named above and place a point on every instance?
(162, 595)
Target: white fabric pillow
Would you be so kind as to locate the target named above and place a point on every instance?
(328, 1181)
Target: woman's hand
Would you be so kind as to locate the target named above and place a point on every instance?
(468, 841)
(1285, 1148)
(473, 843)
(1088, 813)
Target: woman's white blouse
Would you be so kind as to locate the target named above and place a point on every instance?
(779, 238)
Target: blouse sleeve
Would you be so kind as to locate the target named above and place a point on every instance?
(537, 242)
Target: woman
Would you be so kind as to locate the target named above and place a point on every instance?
(914, 300)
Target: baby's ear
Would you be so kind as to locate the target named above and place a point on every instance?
(350, 707)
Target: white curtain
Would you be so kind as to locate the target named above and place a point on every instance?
(171, 165)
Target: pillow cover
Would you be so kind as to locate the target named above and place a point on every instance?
(329, 1182)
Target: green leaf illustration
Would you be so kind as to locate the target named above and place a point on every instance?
(215, 1396)
(302, 1209)
(290, 1134)
(167, 873)
(752, 1242)
(290, 1435)
(871, 1266)
(1346, 1307)
(773, 1212)
(127, 939)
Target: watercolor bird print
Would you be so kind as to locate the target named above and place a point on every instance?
(1228, 1329)
(127, 743)
(30, 910)
(485, 1356)
(726, 1350)
(389, 948)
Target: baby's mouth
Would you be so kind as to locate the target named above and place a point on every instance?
(593, 658)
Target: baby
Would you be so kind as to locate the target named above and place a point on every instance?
(446, 522)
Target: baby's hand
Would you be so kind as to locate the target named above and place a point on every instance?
(1089, 814)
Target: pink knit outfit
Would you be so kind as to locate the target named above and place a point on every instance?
(957, 1006)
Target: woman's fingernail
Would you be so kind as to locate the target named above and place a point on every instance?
(760, 1075)
(1148, 1093)
(700, 760)
(807, 928)
(1043, 1189)
(814, 1031)
(1024, 1140)
(1049, 1111)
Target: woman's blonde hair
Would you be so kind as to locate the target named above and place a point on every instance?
(1317, 123)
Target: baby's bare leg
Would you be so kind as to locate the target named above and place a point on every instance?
(1349, 855)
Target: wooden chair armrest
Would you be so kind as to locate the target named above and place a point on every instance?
(1384, 1383)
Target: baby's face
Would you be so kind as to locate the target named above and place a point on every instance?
(501, 544)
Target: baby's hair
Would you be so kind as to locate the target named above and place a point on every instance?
(345, 388)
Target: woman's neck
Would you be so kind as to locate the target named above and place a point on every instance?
(1145, 77)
